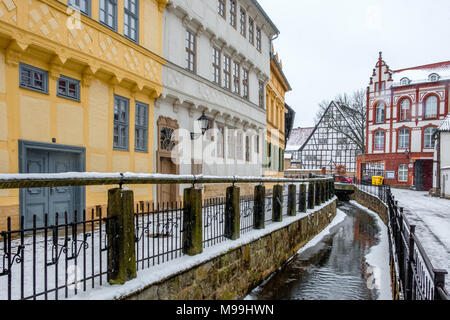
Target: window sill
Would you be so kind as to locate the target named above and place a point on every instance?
(33, 89)
(68, 98)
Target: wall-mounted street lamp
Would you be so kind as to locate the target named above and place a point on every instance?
(204, 124)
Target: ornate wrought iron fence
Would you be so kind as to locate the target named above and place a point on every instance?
(70, 256)
(247, 203)
(213, 221)
(53, 261)
(159, 231)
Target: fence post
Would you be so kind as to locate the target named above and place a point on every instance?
(439, 281)
(292, 201)
(302, 200)
(409, 282)
(317, 194)
(277, 203)
(121, 236)
(192, 222)
(324, 190)
(327, 190)
(233, 213)
(311, 191)
(401, 249)
(259, 207)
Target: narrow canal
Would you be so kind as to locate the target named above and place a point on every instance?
(335, 268)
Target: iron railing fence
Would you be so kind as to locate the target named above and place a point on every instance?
(54, 260)
(378, 191)
(158, 233)
(213, 221)
(246, 214)
(67, 255)
(418, 278)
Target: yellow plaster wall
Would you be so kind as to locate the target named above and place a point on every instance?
(104, 61)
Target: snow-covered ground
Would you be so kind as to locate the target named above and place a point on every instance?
(432, 219)
(378, 258)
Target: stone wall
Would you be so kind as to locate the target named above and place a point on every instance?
(235, 273)
(371, 202)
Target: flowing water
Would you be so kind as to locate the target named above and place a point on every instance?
(334, 269)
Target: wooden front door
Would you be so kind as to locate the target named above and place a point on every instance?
(168, 192)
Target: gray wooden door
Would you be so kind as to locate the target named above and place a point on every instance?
(418, 175)
(39, 201)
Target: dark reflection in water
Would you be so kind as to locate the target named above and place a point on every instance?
(334, 269)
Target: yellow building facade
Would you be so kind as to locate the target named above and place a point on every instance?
(77, 93)
(275, 105)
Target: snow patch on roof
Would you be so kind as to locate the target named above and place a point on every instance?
(421, 74)
(298, 138)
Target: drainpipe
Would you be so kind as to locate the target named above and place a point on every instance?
(438, 172)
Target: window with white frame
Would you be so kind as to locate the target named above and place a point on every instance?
(236, 78)
(222, 7)
(251, 31)
(258, 39)
(131, 19)
(405, 110)
(403, 173)
(220, 141)
(248, 148)
(243, 21)
(379, 140)
(433, 77)
(380, 112)
(261, 94)
(68, 88)
(428, 137)
(245, 84)
(230, 144)
(239, 146)
(141, 127)
(403, 138)
(108, 13)
(33, 78)
(227, 72)
(84, 6)
(404, 81)
(121, 120)
(233, 13)
(431, 107)
(190, 51)
(216, 66)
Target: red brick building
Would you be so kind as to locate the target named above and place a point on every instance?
(404, 109)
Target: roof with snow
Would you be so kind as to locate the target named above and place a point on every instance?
(445, 126)
(422, 74)
(297, 138)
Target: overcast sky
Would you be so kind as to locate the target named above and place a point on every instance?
(330, 47)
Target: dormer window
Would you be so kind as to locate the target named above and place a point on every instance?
(404, 81)
(433, 77)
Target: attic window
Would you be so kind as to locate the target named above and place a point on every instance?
(404, 81)
(433, 77)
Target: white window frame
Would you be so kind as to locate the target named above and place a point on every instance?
(403, 173)
(403, 138)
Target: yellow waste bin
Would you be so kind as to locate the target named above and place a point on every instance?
(377, 181)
